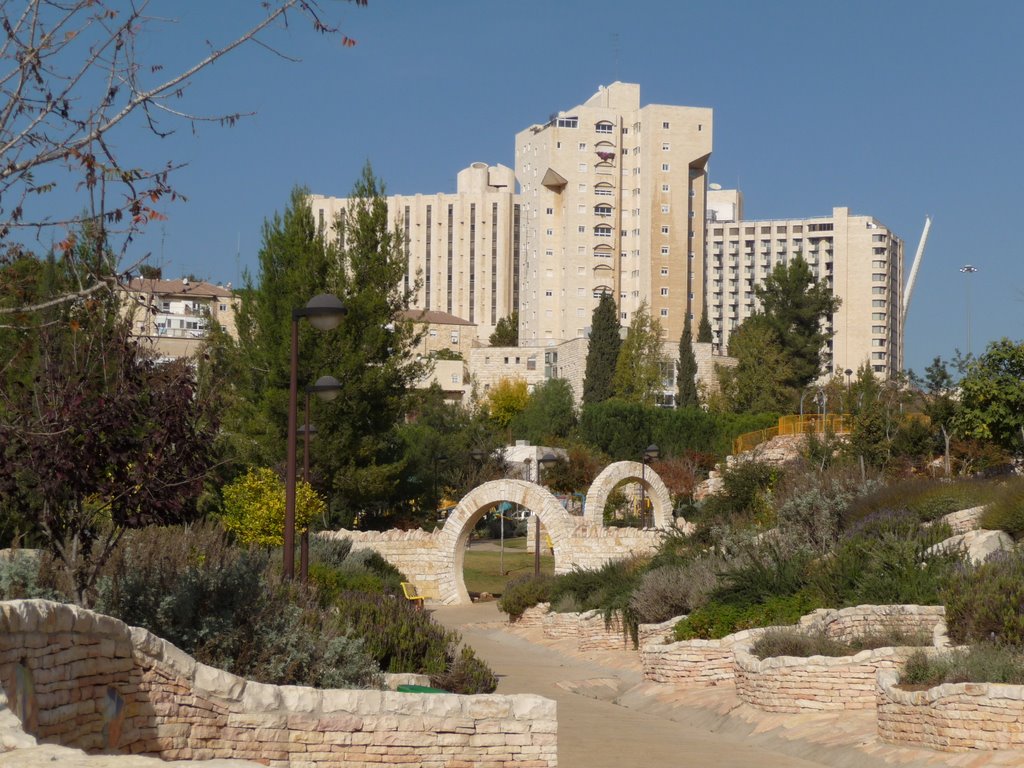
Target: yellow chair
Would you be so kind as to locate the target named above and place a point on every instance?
(413, 595)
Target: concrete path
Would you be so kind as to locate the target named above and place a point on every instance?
(609, 717)
(594, 733)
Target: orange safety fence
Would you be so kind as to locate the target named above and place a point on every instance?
(806, 424)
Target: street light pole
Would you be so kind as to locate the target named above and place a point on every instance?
(650, 453)
(324, 313)
(547, 458)
(326, 388)
(968, 270)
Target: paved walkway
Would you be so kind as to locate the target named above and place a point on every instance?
(609, 717)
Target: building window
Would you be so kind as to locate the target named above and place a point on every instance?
(664, 312)
(582, 146)
(568, 122)
(664, 167)
(549, 232)
(550, 211)
(878, 264)
(665, 147)
(549, 294)
(455, 337)
(664, 188)
(878, 277)
(583, 167)
(664, 250)
(878, 315)
(664, 291)
(604, 189)
(664, 126)
(665, 209)
(602, 209)
(602, 230)
(582, 229)
(878, 302)
(604, 127)
(878, 290)
(664, 271)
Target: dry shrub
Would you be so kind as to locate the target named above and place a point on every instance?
(674, 590)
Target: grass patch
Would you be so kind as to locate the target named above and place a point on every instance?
(482, 568)
(1006, 511)
(983, 663)
(926, 500)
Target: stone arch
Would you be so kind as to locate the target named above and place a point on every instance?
(612, 475)
(457, 528)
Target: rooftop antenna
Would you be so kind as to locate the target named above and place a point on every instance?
(615, 57)
(238, 260)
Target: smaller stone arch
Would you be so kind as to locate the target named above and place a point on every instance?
(612, 475)
(453, 536)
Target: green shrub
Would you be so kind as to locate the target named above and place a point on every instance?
(220, 603)
(925, 499)
(1005, 512)
(745, 495)
(986, 602)
(983, 663)
(762, 570)
(809, 505)
(466, 674)
(791, 641)
(21, 579)
(329, 552)
(716, 620)
(888, 559)
(673, 590)
(403, 639)
(524, 592)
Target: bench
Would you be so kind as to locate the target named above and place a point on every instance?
(412, 595)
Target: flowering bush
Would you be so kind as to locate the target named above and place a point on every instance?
(254, 507)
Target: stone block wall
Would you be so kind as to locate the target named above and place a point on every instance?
(559, 625)
(815, 683)
(693, 663)
(847, 624)
(594, 634)
(594, 546)
(657, 634)
(90, 681)
(533, 616)
(954, 717)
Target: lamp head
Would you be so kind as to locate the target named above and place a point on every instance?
(652, 452)
(326, 388)
(325, 311)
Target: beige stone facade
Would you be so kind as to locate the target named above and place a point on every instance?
(613, 201)
(175, 315)
(860, 259)
(462, 248)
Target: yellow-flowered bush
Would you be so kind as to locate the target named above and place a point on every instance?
(254, 507)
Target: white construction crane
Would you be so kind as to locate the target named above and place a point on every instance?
(909, 290)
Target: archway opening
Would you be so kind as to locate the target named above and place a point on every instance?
(500, 549)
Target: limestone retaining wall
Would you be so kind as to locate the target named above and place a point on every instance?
(594, 634)
(693, 663)
(559, 625)
(532, 616)
(593, 546)
(90, 681)
(954, 717)
(814, 683)
(657, 634)
(415, 553)
(847, 624)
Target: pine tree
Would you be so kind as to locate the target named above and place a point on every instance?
(795, 305)
(603, 352)
(638, 369)
(704, 328)
(686, 373)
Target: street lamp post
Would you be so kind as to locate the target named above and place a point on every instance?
(324, 313)
(326, 388)
(438, 459)
(545, 460)
(650, 453)
(968, 270)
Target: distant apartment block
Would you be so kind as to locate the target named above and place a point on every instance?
(613, 201)
(176, 315)
(859, 258)
(462, 248)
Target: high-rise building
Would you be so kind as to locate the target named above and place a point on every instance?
(613, 198)
(860, 259)
(463, 248)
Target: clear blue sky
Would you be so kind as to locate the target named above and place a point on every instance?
(895, 109)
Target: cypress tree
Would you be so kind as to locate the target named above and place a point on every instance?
(686, 372)
(704, 328)
(603, 352)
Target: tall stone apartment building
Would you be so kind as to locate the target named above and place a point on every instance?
(613, 199)
(858, 257)
(463, 248)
